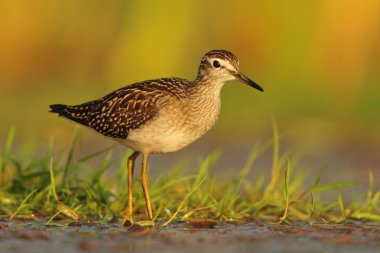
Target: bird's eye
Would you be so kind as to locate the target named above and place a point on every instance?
(216, 64)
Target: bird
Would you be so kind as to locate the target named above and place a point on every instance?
(159, 115)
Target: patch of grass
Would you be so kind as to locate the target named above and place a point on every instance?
(50, 189)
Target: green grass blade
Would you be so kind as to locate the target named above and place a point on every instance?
(102, 168)
(276, 148)
(276, 168)
(333, 186)
(95, 154)
(67, 211)
(52, 180)
(254, 153)
(205, 166)
(341, 206)
(22, 205)
(319, 178)
(183, 202)
(69, 159)
(366, 216)
(286, 192)
(370, 188)
(6, 152)
(9, 141)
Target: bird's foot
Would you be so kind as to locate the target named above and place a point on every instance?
(127, 221)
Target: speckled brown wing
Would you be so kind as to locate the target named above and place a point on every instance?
(125, 109)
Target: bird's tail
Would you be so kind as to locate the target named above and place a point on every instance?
(57, 108)
(77, 113)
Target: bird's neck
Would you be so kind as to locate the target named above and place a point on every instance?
(203, 105)
(207, 88)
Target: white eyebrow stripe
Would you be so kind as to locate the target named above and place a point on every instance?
(224, 63)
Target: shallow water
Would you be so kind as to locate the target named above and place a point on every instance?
(189, 237)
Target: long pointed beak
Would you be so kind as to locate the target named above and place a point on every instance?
(248, 81)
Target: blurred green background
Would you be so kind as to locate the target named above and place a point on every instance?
(318, 61)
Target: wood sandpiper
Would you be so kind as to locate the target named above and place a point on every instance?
(159, 116)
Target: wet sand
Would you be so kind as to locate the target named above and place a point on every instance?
(189, 237)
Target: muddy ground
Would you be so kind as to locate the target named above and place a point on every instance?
(189, 237)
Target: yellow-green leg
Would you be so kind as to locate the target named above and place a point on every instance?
(129, 209)
(145, 184)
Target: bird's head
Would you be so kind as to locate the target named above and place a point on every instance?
(222, 66)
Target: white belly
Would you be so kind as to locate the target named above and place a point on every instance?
(175, 127)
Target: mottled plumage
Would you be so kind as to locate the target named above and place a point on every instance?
(125, 109)
(161, 115)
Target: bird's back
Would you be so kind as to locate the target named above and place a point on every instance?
(124, 109)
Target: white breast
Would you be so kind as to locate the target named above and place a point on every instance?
(177, 124)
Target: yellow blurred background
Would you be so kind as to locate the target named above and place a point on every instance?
(318, 61)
